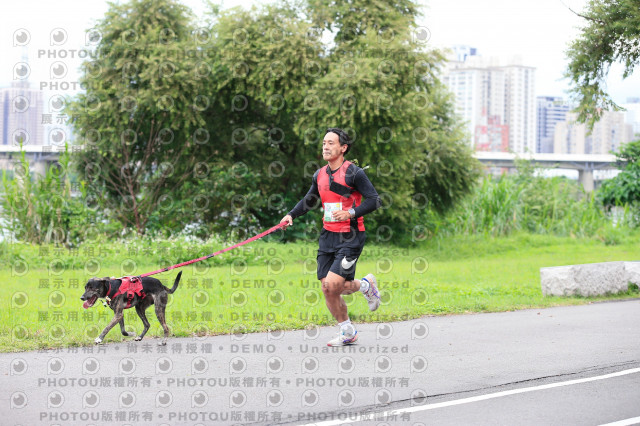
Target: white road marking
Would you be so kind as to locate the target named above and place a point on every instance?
(626, 422)
(387, 414)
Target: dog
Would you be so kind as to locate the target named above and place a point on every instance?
(154, 293)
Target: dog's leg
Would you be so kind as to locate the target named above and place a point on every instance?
(122, 329)
(116, 319)
(140, 311)
(161, 303)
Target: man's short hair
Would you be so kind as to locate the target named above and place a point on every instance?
(343, 137)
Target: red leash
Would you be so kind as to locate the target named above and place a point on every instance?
(180, 265)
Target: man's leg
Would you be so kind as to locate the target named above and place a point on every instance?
(333, 287)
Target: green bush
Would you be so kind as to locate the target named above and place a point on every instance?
(623, 191)
(534, 204)
(43, 210)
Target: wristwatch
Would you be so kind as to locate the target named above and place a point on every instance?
(352, 212)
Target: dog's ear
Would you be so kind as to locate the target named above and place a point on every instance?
(91, 281)
(105, 283)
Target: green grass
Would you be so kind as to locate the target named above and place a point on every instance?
(273, 286)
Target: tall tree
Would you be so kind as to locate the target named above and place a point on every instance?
(285, 85)
(265, 60)
(611, 34)
(273, 84)
(140, 115)
(383, 84)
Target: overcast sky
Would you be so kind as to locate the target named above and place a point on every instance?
(539, 31)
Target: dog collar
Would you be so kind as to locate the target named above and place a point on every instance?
(107, 300)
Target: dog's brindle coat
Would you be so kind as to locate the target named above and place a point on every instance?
(156, 294)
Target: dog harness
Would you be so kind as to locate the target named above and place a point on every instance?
(130, 286)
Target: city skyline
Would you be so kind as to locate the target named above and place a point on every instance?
(607, 135)
(497, 102)
(538, 32)
(51, 55)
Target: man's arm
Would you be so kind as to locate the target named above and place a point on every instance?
(363, 185)
(306, 204)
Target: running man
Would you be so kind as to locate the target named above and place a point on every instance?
(340, 185)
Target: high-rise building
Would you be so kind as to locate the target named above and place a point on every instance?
(496, 102)
(550, 111)
(461, 52)
(632, 115)
(20, 115)
(520, 107)
(608, 135)
(480, 100)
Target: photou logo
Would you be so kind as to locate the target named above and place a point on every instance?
(55, 399)
(55, 366)
(199, 399)
(127, 399)
(419, 330)
(274, 365)
(310, 398)
(164, 399)
(21, 37)
(58, 70)
(384, 331)
(58, 37)
(382, 364)
(18, 400)
(90, 399)
(90, 366)
(346, 364)
(21, 71)
(237, 399)
(310, 365)
(19, 300)
(346, 398)
(20, 104)
(18, 366)
(419, 364)
(237, 365)
(127, 366)
(274, 398)
(383, 396)
(164, 365)
(199, 365)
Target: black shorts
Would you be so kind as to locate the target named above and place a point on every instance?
(338, 252)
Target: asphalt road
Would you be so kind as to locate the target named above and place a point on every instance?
(551, 366)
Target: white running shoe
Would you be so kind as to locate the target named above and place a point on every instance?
(372, 295)
(343, 339)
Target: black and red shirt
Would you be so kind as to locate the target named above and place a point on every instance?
(344, 189)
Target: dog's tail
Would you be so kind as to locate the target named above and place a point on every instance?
(175, 284)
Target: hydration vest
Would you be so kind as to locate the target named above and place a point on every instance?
(336, 194)
(129, 287)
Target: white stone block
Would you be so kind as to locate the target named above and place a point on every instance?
(592, 279)
(633, 272)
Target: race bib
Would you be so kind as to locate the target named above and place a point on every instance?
(329, 208)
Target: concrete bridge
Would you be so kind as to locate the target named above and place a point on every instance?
(40, 157)
(585, 164)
